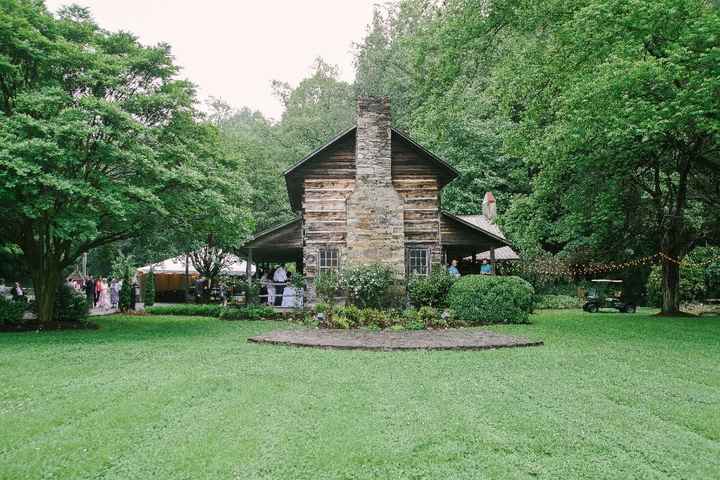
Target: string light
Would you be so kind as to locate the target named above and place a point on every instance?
(573, 270)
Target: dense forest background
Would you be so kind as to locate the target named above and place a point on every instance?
(594, 122)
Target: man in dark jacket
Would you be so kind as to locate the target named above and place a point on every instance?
(90, 291)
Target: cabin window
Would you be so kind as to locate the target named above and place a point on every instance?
(418, 261)
(329, 259)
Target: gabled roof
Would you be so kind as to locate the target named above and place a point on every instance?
(481, 224)
(319, 150)
(293, 185)
(277, 229)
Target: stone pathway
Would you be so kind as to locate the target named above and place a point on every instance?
(451, 339)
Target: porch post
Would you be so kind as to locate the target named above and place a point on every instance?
(492, 260)
(248, 266)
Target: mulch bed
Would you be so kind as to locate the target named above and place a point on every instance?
(34, 327)
(451, 339)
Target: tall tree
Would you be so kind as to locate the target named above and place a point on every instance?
(618, 103)
(99, 141)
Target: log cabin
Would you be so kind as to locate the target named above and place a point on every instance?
(372, 195)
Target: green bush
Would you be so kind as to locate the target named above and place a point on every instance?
(557, 302)
(250, 312)
(70, 305)
(431, 290)
(190, 310)
(411, 320)
(125, 294)
(149, 289)
(370, 286)
(11, 312)
(480, 299)
(353, 315)
(327, 285)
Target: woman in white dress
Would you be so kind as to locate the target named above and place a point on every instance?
(104, 299)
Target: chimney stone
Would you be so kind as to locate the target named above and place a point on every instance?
(375, 217)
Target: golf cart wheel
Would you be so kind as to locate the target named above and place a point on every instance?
(592, 308)
(629, 308)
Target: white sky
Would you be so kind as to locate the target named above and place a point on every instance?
(234, 49)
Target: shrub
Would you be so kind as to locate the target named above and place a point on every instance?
(353, 315)
(190, 310)
(430, 318)
(70, 305)
(411, 320)
(491, 299)
(327, 285)
(149, 289)
(125, 294)
(431, 290)
(368, 285)
(11, 312)
(557, 302)
(250, 312)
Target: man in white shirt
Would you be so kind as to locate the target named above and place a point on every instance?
(280, 277)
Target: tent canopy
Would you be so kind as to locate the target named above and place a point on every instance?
(176, 265)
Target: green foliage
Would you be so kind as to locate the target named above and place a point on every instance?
(125, 294)
(11, 312)
(352, 314)
(431, 290)
(369, 285)
(190, 310)
(123, 266)
(249, 312)
(327, 286)
(478, 299)
(100, 142)
(698, 277)
(557, 302)
(149, 289)
(70, 305)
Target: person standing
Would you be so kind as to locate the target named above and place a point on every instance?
(17, 293)
(114, 293)
(104, 296)
(280, 279)
(453, 268)
(90, 291)
(485, 267)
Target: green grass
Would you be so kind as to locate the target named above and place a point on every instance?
(608, 396)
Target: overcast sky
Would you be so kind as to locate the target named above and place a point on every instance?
(233, 49)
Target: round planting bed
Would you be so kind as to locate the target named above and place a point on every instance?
(451, 339)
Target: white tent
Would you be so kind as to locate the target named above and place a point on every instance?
(176, 265)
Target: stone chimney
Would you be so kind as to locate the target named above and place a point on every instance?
(488, 207)
(375, 225)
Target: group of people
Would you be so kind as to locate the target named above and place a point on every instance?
(276, 287)
(16, 292)
(101, 293)
(486, 268)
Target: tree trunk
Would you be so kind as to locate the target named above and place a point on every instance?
(670, 287)
(45, 284)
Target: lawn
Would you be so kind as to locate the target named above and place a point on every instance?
(608, 396)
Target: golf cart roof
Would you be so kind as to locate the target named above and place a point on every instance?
(606, 280)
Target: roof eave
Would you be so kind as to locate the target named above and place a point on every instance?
(475, 227)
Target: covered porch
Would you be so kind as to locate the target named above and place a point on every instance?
(472, 239)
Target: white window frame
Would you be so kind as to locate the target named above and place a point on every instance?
(322, 255)
(409, 260)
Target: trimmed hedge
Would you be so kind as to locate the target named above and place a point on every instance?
(556, 302)
(250, 312)
(478, 299)
(189, 310)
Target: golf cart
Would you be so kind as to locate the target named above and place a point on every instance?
(607, 294)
